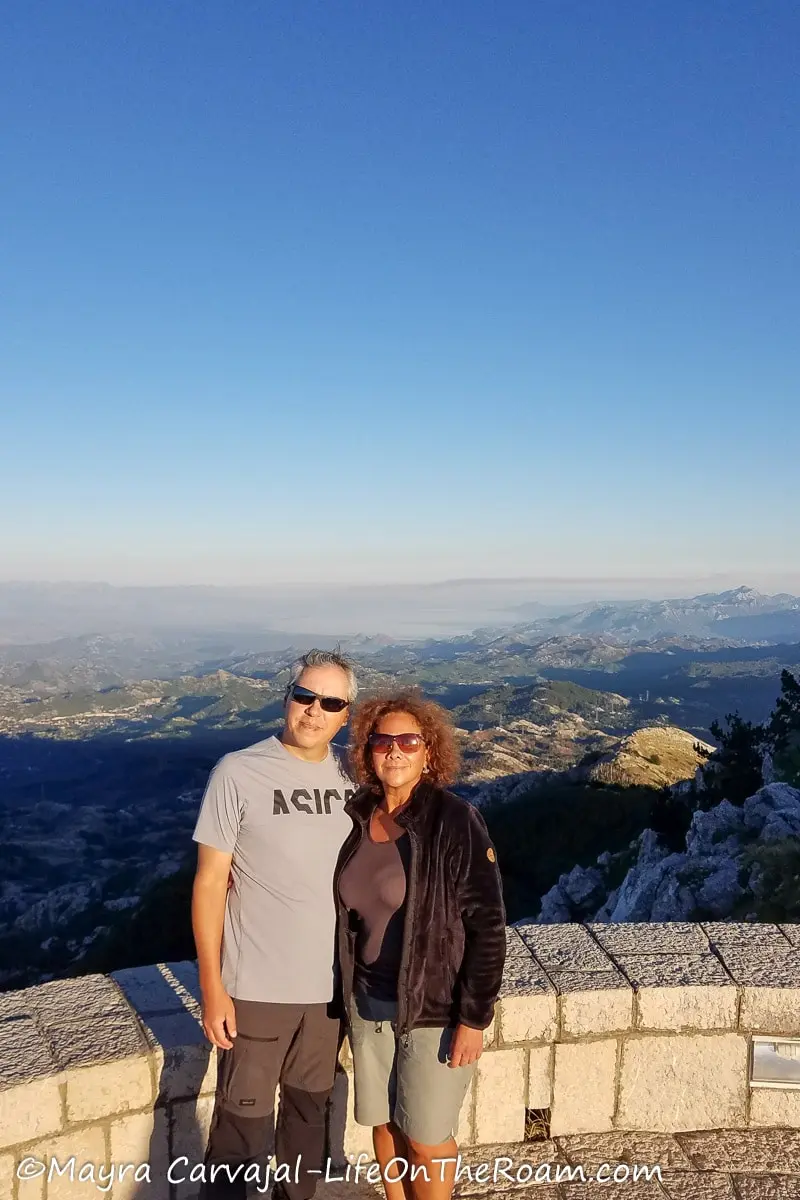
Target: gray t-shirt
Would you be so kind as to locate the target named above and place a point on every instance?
(283, 821)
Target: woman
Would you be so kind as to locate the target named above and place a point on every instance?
(421, 939)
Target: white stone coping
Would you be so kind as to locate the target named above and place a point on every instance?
(637, 1010)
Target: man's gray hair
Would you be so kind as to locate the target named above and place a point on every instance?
(326, 658)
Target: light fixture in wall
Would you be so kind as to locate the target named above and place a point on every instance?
(775, 1063)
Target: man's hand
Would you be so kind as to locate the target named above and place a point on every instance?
(219, 1018)
(466, 1046)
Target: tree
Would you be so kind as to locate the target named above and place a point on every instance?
(784, 731)
(735, 771)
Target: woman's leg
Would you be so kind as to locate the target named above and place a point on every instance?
(430, 1096)
(390, 1144)
(432, 1180)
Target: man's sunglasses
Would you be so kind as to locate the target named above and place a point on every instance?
(304, 696)
(409, 743)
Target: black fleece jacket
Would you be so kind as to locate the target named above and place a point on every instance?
(454, 940)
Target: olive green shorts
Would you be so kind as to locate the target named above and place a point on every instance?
(407, 1080)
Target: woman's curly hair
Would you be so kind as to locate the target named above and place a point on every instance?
(433, 720)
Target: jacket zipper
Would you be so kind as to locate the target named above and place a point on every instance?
(339, 903)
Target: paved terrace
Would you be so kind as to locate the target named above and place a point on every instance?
(611, 1044)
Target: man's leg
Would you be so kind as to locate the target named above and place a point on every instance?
(306, 1085)
(243, 1123)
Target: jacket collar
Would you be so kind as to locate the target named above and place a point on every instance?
(361, 806)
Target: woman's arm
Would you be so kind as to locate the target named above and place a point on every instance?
(480, 895)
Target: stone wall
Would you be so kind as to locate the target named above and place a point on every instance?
(599, 1028)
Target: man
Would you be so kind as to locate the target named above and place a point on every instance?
(272, 819)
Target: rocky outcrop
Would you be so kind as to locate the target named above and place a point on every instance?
(656, 756)
(710, 878)
(504, 762)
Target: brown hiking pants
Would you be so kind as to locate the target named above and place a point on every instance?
(294, 1045)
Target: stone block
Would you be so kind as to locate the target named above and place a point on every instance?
(483, 1169)
(141, 1138)
(745, 1151)
(540, 1076)
(534, 1191)
(772, 1107)
(687, 1008)
(186, 1062)
(643, 937)
(767, 966)
(565, 947)
(83, 1044)
(584, 1087)
(681, 991)
(184, 978)
(109, 1088)
(500, 1096)
(528, 1019)
(191, 1121)
(792, 933)
(24, 1052)
(91, 998)
(17, 1004)
(592, 1150)
(31, 1188)
(490, 1033)
(686, 1185)
(745, 934)
(593, 1002)
(674, 970)
(343, 1189)
(524, 977)
(150, 990)
(661, 1082)
(29, 1111)
(527, 1006)
(82, 1153)
(629, 1190)
(8, 1169)
(770, 1010)
(515, 947)
(770, 987)
(766, 1187)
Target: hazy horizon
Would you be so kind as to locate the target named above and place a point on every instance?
(40, 611)
(586, 586)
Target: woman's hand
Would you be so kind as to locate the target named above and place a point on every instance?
(466, 1046)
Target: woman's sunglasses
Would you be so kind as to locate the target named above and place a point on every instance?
(304, 696)
(409, 743)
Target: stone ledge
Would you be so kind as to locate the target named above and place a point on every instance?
(627, 1017)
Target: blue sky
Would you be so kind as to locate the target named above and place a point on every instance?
(366, 292)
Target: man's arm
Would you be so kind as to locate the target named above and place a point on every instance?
(209, 896)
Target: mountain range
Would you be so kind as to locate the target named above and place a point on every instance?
(283, 614)
(741, 614)
(571, 720)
